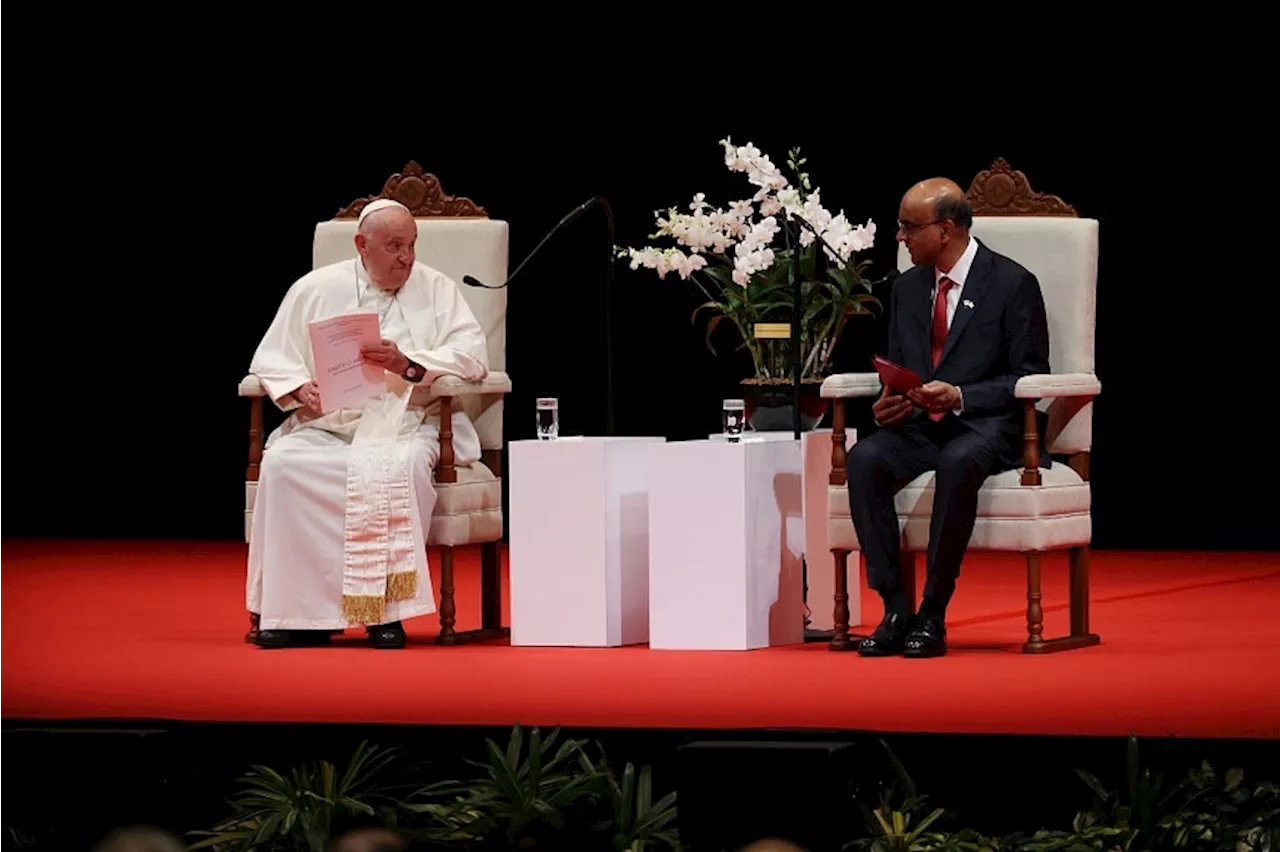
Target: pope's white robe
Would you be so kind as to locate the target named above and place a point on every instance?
(310, 492)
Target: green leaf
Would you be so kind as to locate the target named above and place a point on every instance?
(1234, 778)
(723, 275)
(626, 800)
(809, 261)
(535, 760)
(1094, 784)
(503, 774)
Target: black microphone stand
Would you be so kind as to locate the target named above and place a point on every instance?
(608, 323)
(608, 292)
(810, 635)
(794, 275)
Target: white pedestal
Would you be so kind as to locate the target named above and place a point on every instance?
(726, 535)
(579, 541)
(815, 446)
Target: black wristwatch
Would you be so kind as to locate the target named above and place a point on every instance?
(413, 373)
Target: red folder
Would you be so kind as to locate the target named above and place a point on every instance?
(897, 378)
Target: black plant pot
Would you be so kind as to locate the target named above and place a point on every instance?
(770, 404)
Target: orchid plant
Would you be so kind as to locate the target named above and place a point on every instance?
(737, 258)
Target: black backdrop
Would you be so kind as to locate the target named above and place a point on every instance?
(125, 348)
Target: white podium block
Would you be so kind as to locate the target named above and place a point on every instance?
(815, 447)
(726, 535)
(579, 541)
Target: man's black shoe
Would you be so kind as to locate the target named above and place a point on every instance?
(387, 635)
(888, 640)
(927, 638)
(292, 638)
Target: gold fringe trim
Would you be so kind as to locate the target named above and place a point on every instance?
(363, 609)
(402, 586)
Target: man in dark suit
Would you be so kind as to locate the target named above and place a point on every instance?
(970, 322)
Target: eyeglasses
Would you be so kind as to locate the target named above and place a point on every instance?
(913, 228)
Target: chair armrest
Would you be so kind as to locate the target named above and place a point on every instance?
(1052, 385)
(496, 382)
(251, 385)
(843, 385)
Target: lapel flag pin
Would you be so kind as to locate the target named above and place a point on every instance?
(968, 303)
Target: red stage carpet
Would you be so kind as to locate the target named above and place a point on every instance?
(154, 630)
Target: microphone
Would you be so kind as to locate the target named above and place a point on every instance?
(889, 277)
(471, 281)
(569, 217)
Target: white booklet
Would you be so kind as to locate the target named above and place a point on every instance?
(346, 379)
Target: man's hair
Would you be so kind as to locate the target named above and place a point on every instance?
(369, 839)
(139, 838)
(956, 208)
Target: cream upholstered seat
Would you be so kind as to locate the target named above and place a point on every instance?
(1028, 510)
(456, 237)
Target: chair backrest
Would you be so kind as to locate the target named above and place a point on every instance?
(457, 237)
(1047, 236)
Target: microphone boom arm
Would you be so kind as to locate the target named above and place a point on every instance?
(569, 217)
(608, 292)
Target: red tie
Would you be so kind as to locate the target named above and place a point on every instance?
(939, 336)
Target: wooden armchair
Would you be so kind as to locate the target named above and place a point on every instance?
(1031, 511)
(458, 238)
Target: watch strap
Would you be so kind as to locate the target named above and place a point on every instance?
(413, 372)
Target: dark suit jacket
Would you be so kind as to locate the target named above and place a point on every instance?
(1004, 336)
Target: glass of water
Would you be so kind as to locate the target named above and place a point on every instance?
(548, 418)
(734, 415)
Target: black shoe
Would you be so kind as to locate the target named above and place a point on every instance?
(387, 635)
(888, 640)
(292, 638)
(927, 638)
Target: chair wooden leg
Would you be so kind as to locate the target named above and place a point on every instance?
(490, 599)
(840, 639)
(448, 607)
(1080, 591)
(1079, 578)
(1035, 612)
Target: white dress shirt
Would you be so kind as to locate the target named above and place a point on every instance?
(958, 273)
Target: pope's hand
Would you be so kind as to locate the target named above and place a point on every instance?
(936, 397)
(309, 396)
(385, 354)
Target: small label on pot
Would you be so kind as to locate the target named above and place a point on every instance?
(773, 331)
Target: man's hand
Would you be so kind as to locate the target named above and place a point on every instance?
(386, 355)
(936, 397)
(891, 410)
(309, 396)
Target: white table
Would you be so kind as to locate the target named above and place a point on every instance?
(726, 535)
(579, 541)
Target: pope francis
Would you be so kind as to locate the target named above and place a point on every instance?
(345, 498)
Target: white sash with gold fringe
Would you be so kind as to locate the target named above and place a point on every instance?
(378, 531)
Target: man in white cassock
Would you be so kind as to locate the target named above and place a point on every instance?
(345, 498)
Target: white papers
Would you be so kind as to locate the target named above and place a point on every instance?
(346, 379)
